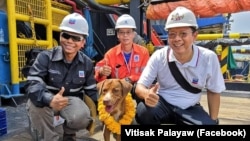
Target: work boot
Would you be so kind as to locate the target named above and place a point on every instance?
(69, 137)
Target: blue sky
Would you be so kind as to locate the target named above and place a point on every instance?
(241, 22)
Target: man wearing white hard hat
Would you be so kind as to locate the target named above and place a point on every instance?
(57, 82)
(125, 60)
(176, 97)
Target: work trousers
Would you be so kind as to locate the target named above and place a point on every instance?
(165, 113)
(76, 115)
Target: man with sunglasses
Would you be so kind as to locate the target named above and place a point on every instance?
(168, 101)
(125, 60)
(57, 82)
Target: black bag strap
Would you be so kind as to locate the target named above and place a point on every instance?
(180, 79)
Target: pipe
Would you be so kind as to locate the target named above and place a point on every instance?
(161, 1)
(216, 36)
(101, 8)
(73, 4)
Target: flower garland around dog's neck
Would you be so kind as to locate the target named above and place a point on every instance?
(110, 122)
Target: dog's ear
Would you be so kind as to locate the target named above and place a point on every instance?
(127, 87)
(100, 85)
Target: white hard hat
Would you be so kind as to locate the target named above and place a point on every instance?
(181, 17)
(125, 21)
(75, 23)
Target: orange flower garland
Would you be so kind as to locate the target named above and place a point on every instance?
(109, 121)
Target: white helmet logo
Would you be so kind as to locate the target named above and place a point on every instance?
(72, 21)
(177, 17)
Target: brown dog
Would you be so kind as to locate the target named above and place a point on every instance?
(112, 94)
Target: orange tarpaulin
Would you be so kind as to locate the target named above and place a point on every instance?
(201, 8)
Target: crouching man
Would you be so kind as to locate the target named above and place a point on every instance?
(57, 82)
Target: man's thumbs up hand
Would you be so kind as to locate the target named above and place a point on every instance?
(105, 70)
(59, 102)
(152, 98)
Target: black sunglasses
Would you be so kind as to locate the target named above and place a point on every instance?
(75, 38)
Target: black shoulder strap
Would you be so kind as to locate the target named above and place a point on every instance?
(181, 80)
